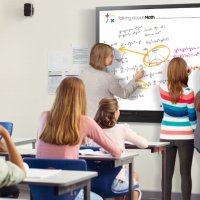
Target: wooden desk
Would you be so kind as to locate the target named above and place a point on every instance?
(66, 181)
(156, 147)
(23, 141)
(126, 158)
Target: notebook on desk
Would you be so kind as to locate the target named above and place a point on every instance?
(92, 152)
(127, 142)
(41, 173)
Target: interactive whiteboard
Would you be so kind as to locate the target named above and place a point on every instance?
(148, 37)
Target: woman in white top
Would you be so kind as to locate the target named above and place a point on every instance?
(107, 116)
(99, 83)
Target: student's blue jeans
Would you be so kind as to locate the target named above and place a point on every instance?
(185, 149)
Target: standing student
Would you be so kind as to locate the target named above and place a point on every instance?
(197, 131)
(11, 172)
(62, 129)
(99, 83)
(107, 116)
(178, 124)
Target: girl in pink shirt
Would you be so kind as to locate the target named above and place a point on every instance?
(63, 129)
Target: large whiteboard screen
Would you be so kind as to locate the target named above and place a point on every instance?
(147, 37)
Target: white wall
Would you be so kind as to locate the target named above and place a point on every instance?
(24, 46)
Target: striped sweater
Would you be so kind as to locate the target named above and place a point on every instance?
(179, 120)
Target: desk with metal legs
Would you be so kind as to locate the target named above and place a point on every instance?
(126, 158)
(65, 181)
(23, 141)
(156, 147)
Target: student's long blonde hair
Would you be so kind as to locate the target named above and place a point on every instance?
(63, 121)
(177, 78)
(98, 54)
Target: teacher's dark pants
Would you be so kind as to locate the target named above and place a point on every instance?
(185, 149)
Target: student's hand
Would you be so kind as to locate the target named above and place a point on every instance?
(139, 75)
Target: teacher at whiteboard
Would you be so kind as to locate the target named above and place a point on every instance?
(99, 83)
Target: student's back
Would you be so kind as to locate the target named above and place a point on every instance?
(178, 124)
(89, 128)
(63, 129)
(122, 132)
(107, 116)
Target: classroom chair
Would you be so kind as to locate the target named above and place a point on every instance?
(102, 184)
(8, 126)
(39, 192)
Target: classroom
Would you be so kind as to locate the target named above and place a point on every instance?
(31, 46)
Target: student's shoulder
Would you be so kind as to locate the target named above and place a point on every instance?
(44, 114)
(122, 126)
(88, 125)
(188, 89)
(87, 120)
(188, 92)
(163, 86)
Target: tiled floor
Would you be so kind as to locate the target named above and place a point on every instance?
(25, 194)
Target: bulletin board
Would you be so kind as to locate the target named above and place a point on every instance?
(148, 37)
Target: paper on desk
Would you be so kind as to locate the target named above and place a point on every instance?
(127, 142)
(92, 152)
(41, 173)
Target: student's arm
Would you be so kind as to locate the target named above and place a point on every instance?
(191, 110)
(94, 131)
(14, 156)
(3, 147)
(133, 137)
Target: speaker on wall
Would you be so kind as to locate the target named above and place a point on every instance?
(28, 9)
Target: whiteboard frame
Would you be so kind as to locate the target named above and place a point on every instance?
(139, 115)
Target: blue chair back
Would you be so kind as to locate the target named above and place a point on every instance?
(102, 184)
(39, 192)
(8, 126)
